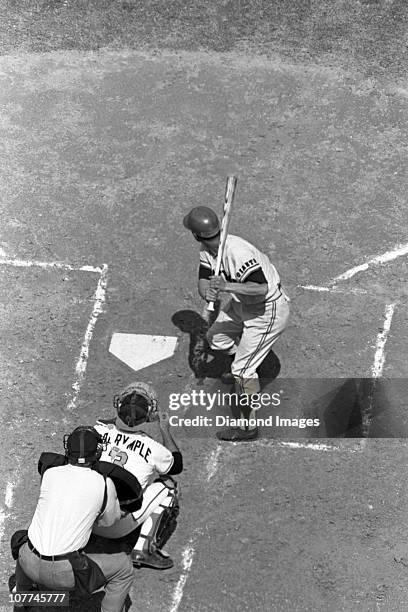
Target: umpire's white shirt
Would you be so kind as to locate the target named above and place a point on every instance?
(70, 500)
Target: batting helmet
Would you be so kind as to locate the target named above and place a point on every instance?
(83, 445)
(136, 404)
(203, 222)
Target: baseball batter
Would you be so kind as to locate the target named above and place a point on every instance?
(255, 317)
(128, 444)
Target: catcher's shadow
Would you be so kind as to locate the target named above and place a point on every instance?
(203, 362)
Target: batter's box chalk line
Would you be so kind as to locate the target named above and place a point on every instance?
(99, 298)
(333, 289)
(49, 265)
(313, 446)
(399, 250)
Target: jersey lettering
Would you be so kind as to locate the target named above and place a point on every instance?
(136, 452)
(245, 266)
(136, 445)
(106, 438)
(240, 259)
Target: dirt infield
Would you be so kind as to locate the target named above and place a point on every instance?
(103, 153)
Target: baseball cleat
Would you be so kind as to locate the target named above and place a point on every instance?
(236, 434)
(155, 560)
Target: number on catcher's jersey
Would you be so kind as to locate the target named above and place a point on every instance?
(137, 452)
(118, 456)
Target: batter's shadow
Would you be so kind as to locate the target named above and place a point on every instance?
(201, 359)
(206, 363)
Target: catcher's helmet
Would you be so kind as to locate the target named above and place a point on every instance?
(136, 404)
(203, 222)
(83, 445)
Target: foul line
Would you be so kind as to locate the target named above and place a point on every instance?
(189, 551)
(357, 447)
(188, 555)
(212, 463)
(313, 446)
(22, 263)
(333, 289)
(398, 251)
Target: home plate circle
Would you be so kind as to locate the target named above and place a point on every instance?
(139, 351)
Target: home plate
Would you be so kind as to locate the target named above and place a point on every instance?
(139, 351)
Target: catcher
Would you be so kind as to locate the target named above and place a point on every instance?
(249, 325)
(128, 444)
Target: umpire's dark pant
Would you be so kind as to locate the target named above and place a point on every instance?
(117, 569)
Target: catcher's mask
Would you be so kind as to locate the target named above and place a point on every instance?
(84, 445)
(136, 404)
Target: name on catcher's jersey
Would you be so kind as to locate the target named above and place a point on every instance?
(239, 261)
(136, 452)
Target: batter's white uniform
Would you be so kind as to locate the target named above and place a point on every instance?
(143, 457)
(249, 325)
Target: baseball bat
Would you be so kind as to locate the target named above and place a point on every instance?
(228, 200)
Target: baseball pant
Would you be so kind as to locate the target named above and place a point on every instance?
(117, 569)
(249, 333)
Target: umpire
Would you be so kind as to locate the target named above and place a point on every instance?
(72, 497)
